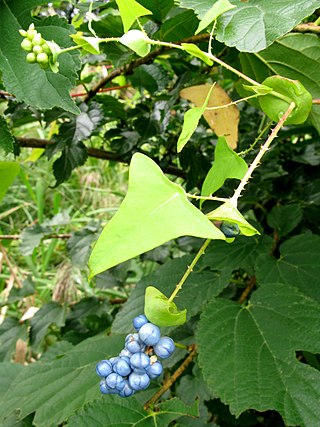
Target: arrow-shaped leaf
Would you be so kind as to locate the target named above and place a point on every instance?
(130, 10)
(154, 211)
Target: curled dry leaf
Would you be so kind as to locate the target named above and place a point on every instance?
(223, 121)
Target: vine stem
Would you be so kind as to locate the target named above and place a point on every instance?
(189, 270)
(259, 156)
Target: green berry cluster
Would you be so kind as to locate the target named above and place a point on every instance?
(37, 48)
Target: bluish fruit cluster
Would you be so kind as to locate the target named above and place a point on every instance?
(138, 362)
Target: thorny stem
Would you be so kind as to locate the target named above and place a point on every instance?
(259, 156)
(189, 270)
(219, 199)
(245, 152)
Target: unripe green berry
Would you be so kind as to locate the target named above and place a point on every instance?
(37, 49)
(37, 40)
(42, 58)
(26, 45)
(23, 33)
(46, 49)
(31, 34)
(31, 58)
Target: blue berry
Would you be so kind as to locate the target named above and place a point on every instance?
(104, 368)
(140, 360)
(125, 353)
(113, 360)
(115, 381)
(127, 390)
(154, 370)
(105, 389)
(149, 334)
(229, 229)
(139, 381)
(133, 343)
(122, 367)
(164, 348)
(139, 321)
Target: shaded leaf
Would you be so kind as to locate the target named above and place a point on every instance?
(284, 218)
(79, 245)
(111, 410)
(298, 265)
(10, 331)
(8, 173)
(252, 361)
(31, 238)
(136, 228)
(223, 121)
(57, 389)
(227, 164)
(6, 139)
(40, 88)
(152, 78)
(47, 315)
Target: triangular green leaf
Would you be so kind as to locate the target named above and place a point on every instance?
(216, 10)
(248, 353)
(89, 44)
(227, 164)
(8, 173)
(198, 53)
(154, 211)
(190, 122)
(137, 41)
(160, 311)
(130, 10)
(228, 212)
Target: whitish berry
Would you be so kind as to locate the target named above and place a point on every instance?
(37, 40)
(154, 370)
(140, 360)
(115, 381)
(42, 58)
(104, 368)
(26, 45)
(139, 321)
(139, 381)
(149, 334)
(164, 348)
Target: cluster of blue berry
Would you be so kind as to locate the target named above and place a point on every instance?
(138, 362)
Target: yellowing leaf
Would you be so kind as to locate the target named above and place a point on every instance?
(223, 121)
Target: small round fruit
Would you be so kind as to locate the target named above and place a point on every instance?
(275, 107)
(105, 389)
(229, 229)
(122, 367)
(37, 40)
(37, 49)
(115, 381)
(133, 343)
(154, 370)
(140, 360)
(46, 49)
(149, 334)
(26, 45)
(42, 58)
(127, 391)
(31, 32)
(164, 348)
(31, 58)
(139, 381)
(139, 321)
(104, 368)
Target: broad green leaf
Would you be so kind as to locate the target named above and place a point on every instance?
(137, 227)
(218, 8)
(137, 41)
(6, 139)
(89, 44)
(151, 77)
(253, 25)
(190, 122)
(31, 238)
(8, 372)
(79, 245)
(198, 53)
(114, 411)
(285, 218)
(201, 285)
(231, 214)
(248, 353)
(160, 311)
(57, 389)
(227, 164)
(8, 173)
(130, 10)
(294, 56)
(50, 313)
(159, 8)
(39, 88)
(10, 331)
(297, 265)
